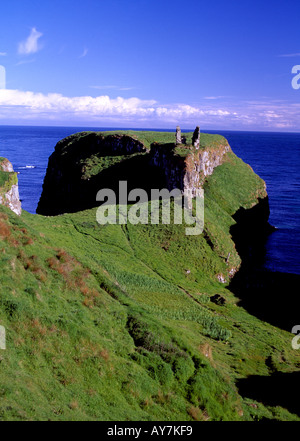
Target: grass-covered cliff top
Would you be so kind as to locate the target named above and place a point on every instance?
(82, 148)
(148, 137)
(118, 322)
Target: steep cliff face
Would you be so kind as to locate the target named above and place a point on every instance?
(173, 167)
(9, 190)
(81, 165)
(188, 169)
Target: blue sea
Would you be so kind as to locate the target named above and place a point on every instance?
(275, 157)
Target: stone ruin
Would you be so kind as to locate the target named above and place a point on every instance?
(178, 135)
(196, 138)
(182, 139)
(179, 139)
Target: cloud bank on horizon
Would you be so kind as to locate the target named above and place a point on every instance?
(27, 106)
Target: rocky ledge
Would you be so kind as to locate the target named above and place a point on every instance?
(9, 190)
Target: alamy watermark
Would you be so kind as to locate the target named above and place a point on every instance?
(2, 77)
(296, 330)
(296, 78)
(2, 338)
(165, 207)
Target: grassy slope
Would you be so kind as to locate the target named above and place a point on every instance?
(105, 322)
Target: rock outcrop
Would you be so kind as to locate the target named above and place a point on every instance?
(178, 135)
(187, 173)
(82, 164)
(9, 190)
(196, 138)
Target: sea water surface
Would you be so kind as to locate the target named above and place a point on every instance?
(275, 157)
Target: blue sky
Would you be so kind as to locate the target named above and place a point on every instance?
(149, 63)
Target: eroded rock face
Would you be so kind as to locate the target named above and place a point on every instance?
(9, 191)
(11, 200)
(187, 173)
(6, 166)
(173, 167)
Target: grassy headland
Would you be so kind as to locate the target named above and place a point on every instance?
(122, 322)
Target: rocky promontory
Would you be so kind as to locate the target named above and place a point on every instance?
(84, 163)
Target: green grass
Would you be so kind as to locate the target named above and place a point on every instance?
(4, 178)
(7, 179)
(95, 164)
(115, 322)
(148, 137)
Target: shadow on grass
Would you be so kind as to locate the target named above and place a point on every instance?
(280, 389)
(270, 296)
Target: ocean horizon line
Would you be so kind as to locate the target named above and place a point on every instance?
(155, 129)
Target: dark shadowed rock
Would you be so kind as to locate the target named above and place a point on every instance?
(196, 137)
(218, 300)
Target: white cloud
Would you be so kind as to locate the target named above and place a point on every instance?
(30, 104)
(214, 97)
(84, 53)
(31, 107)
(112, 87)
(290, 55)
(126, 88)
(25, 61)
(84, 105)
(31, 44)
(3, 54)
(103, 87)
